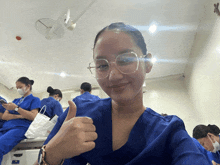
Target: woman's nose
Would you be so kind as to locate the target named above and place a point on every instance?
(114, 73)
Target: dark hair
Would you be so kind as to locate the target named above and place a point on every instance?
(133, 32)
(26, 81)
(201, 131)
(53, 92)
(86, 86)
(164, 114)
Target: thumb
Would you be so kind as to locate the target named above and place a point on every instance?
(72, 111)
(213, 162)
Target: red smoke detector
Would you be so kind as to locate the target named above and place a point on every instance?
(18, 38)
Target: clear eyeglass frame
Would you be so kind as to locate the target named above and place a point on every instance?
(127, 65)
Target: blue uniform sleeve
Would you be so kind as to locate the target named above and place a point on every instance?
(183, 149)
(74, 100)
(201, 149)
(35, 104)
(78, 160)
(2, 109)
(57, 126)
(58, 110)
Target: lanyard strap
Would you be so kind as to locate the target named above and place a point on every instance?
(20, 101)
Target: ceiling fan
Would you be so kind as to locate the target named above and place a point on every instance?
(54, 29)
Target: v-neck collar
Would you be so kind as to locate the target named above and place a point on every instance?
(131, 148)
(132, 139)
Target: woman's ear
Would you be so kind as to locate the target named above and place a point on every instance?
(148, 63)
(28, 86)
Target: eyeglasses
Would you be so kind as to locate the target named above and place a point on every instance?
(126, 63)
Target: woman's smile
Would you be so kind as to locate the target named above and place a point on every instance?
(119, 87)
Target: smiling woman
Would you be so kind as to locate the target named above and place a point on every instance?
(119, 130)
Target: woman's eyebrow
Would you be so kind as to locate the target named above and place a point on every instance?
(121, 52)
(101, 57)
(125, 51)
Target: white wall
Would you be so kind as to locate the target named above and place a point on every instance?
(169, 95)
(8, 94)
(203, 70)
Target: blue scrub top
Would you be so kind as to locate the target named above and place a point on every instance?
(85, 97)
(154, 139)
(210, 155)
(53, 107)
(2, 110)
(28, 103)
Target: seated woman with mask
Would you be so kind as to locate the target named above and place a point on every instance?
(52, 103)
(18, 115)
(119, 130)
(206, 139)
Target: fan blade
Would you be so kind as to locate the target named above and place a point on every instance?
(67, 16)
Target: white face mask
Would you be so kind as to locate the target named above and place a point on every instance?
(22, 91)
(215, 145)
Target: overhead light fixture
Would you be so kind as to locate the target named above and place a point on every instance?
(218, 49)
(153, 60)
(63, 74)
(152, 28)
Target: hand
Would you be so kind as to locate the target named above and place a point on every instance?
(9, 106)
(214, 163)
(216, 10)
(76, 136)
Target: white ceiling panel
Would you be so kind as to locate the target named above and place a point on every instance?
(43, 60)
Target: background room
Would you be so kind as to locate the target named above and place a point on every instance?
(182, 36)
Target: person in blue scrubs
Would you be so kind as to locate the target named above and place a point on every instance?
(207, 140)
(2, 110)
(119, 130)
(85, 90)
(18, 115)
(52, 103)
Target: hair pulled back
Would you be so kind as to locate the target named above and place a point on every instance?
(53, 92)
(201, 131)
(26, 81)
(134, 33)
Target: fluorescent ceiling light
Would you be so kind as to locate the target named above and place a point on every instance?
(153, 28)
(153, 60)
(218, 49)
(63, 74)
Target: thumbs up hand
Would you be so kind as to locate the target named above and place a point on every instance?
(76, 136)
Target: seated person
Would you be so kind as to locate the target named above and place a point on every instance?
(119, 130)
(18, 115)
(52, 103)
(86, 90)
(206, 139)
(2, 110)
(86, 96)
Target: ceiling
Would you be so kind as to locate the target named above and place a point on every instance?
(43, 60)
